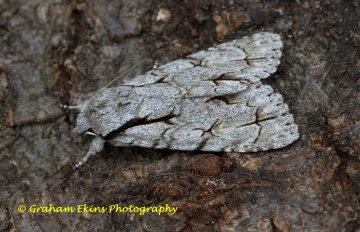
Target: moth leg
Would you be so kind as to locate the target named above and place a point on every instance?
(79, 107)
(96, 146)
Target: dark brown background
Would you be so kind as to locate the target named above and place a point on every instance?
(62, 51)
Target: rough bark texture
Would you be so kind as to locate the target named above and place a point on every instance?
(62, 51)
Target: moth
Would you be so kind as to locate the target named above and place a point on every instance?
(212, 100)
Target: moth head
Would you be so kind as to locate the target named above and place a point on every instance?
(82, 124)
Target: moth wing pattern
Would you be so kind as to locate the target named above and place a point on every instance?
(212, 100)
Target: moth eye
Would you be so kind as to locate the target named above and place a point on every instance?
(210, 165)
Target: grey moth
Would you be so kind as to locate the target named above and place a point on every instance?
(212, 100)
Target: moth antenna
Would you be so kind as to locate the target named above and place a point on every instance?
(121, 75)
(67, 107)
